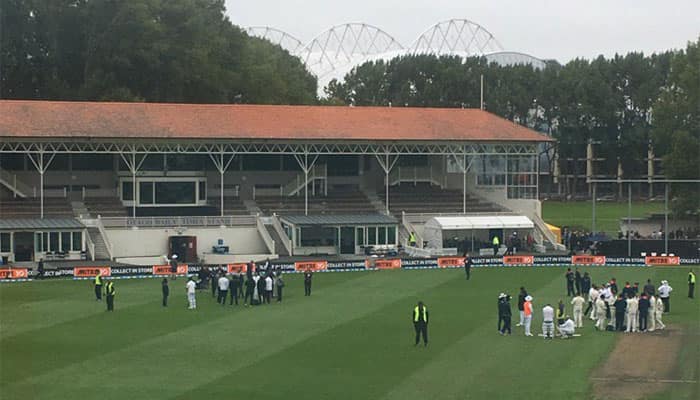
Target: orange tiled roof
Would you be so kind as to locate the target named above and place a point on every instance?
(37, 119)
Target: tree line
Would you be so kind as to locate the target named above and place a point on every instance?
(141, 50)
(622, 104)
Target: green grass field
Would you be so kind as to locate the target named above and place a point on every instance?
(352, 339)
(608, 214)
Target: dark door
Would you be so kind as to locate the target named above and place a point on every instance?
(347, 240)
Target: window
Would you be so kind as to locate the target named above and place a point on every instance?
(175, 193)
(45, 241)
(391, 235)
(53, 241)
(318, 236)
(65, 242)
(491, 170)
(382, 235)
(522, 177)
(5, 243)
(77, 241)
(127, 191)
(371, 235)
(360, 236)
(38, 242)
(145, 192)
(92, 162)
(202, 190)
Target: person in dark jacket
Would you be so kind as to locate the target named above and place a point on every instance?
(279, 286)
(420, 319)
(613, 286)
(649, 288)
(577, 280)
(173, 266)
(308, 276)
(585, 284)
(620, 310)
(467, 264)
(234, 287)
(249, 290)
(635, 288)
(166, 291)
(504, 313)
(40, 269)
(521, 305)
(570, 282)
(627, 291)
(214, 282)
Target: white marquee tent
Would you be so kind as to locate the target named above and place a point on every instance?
(438, 228)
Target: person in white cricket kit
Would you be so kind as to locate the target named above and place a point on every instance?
(548, 322)
(632, 314)
(593, 294)
(191, 287)
(527, 320)
(578, 303)
(665, 294)
(600, 313)
(659, 308)
(651, 327)
(567, 328)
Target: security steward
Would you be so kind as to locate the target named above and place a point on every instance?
(420, 322)
(496, 242)
(98, 287)
(110, 292)
(308, 276)
(467, 265)
(691, 284)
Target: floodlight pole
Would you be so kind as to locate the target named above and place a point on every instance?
(221, 165)
(133, 168)
(306, 166)
(387, 164)
(666, 218)
(593, 199)
(629, 219)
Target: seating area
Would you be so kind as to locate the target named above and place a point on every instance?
(337, 202)
(426, 198)
(31, 208)
(107, 206)
(233, 205)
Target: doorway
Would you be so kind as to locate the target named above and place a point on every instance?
(24, 246)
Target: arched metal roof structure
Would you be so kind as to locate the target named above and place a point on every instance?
(456, 37)
(278, 37)
(515, 58)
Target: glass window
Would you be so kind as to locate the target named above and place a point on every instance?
(382, 235)
(45, 241)
(202, 190)
(65, 242)
(145, 192)
(175, 193)
(93, 162)
(318, 236)
(391, 235)
(38, 242)
(5, 243)
(77, 241)
(261, 162)
(360, 236)
(53, 241)
(372, 235)
(127, 191)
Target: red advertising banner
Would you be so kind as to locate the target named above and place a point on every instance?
(449, 262)
(662, 260)
(86, 272)
(311, 265)
(388, 264)
(238, 268)
(518, 260)
(588, 260)
(165, 269)
(14, 273)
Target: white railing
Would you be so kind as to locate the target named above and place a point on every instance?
(295, 185)
(430, 174)
(228, 192)
(56, 192)
(90, 245)
(170, 222)
(17, 186)
(105, 239)
(269, 242)
(410, 228)
(286, 241)
(546, 233)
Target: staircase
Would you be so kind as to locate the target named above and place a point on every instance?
(101, 252)
(296, 185)
(281, 250)
(17, 187)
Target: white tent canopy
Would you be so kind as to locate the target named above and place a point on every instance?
(434, 227)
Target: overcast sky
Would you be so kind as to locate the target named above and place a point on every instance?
(559, 29)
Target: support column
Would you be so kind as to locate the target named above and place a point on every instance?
(41, 167)
(666, 218)
(589, 164)
(221, 164)
(306, 166)
(464, 167)
(387, 163)
(650, 169)
(629, 219)
(133, 168)
(593, 200)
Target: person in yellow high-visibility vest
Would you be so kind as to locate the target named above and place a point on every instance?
(691, 284)
(412, 239)
(420, 322)
(98, 287)
(110, 292)
(496, 245)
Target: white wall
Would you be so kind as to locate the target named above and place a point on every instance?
(154, 242)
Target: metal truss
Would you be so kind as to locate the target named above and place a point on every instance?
(505, 58)
(281, 38)
(344, 46)
(456, 37)
(228, 148)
